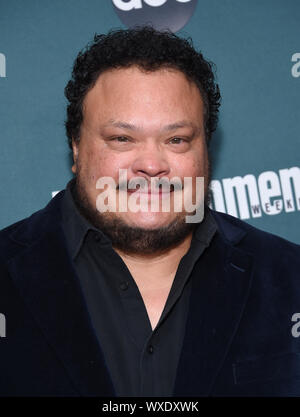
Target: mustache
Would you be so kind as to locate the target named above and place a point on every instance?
(159, 184)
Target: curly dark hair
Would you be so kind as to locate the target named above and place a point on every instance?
(150, 50)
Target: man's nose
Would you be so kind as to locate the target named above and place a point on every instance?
(150, 162)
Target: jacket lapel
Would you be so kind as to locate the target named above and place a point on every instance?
(221, 284)
(46, 278)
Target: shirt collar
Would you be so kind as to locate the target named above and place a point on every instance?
(75, 225)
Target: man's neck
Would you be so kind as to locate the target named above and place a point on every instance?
(154, 276)
(155, 270)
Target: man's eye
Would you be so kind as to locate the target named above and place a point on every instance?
(120, 139)
(176, 141)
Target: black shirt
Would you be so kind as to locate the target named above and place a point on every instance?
(141, 361)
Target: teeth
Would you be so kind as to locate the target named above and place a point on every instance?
(161, 187)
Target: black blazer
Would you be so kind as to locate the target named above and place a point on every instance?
(238, 338)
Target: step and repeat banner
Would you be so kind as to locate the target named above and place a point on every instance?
(255, 45)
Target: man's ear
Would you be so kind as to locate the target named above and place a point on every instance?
(75, 156)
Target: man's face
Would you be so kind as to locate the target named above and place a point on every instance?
(150, 124)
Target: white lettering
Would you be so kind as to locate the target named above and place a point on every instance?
(109, 195)
(218, 202)
(286, 175)
(244, 196)
(155, 3)
(240, 184)
(189, 206)
(137, 4)
(296, 67)
(128, 5)
(2, 325)
(2, 66)
(295, 329)
(119, 407)
(269, 187)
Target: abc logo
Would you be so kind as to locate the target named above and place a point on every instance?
(161, 14)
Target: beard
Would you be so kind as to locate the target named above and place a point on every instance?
(133, 239)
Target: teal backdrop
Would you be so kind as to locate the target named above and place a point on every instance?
(255, 45)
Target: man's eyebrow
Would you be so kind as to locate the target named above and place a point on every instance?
(167, 128)
(121, 125)
(180, 124)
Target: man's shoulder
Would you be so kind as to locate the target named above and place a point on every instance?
(254, 240)
(28, 229)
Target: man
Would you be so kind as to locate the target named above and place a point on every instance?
(102, 301)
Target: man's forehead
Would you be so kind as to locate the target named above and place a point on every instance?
(114, 96)
(180, 124)
(135, 73)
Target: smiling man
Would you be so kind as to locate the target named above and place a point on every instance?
(113, 289)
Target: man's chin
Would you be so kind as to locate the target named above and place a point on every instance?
(147, 221)
(144, 238)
